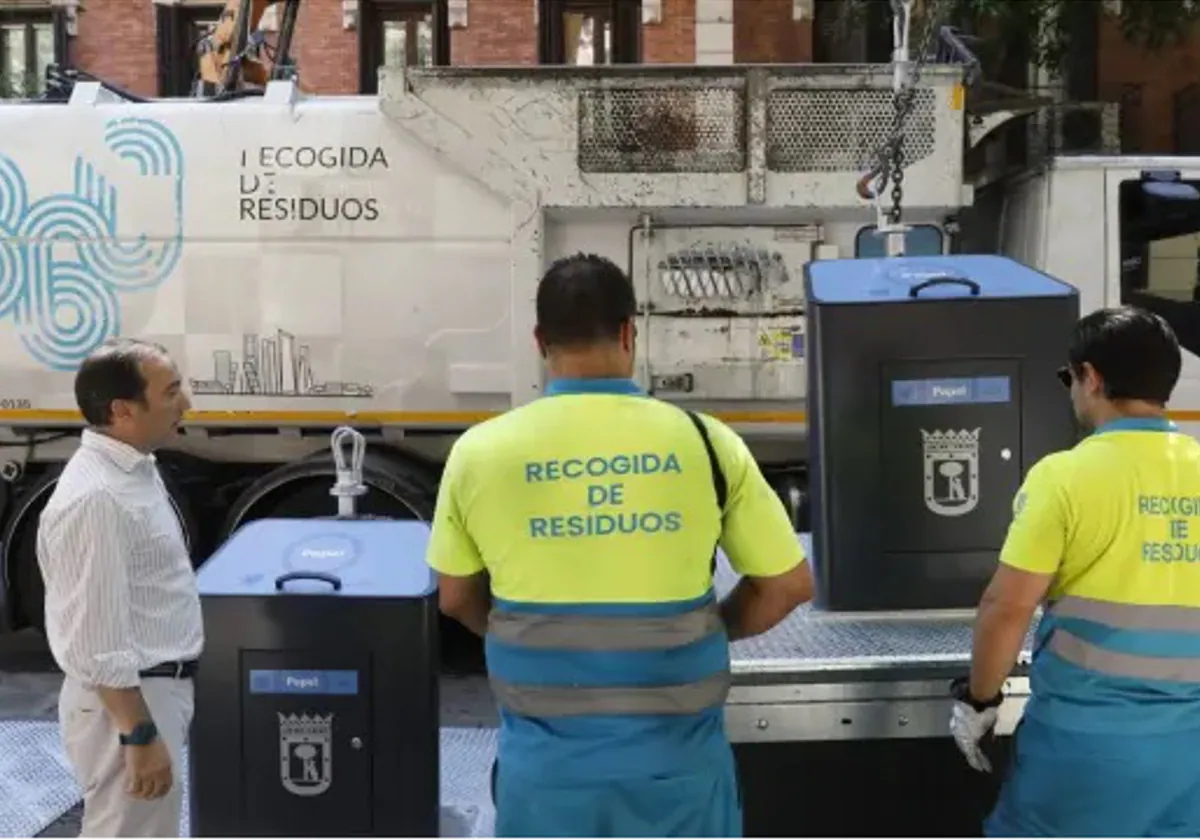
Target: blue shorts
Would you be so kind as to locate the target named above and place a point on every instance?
(704, 804)
(1078, 784)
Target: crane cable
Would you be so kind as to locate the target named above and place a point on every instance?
(890, 154)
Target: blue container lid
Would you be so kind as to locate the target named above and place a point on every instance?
(352, 558)
(900, 279)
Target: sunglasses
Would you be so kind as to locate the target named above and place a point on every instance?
(1064, 376)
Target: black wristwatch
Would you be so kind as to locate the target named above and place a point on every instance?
(143, 734)
(960, 689)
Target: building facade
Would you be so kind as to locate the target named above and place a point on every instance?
(147, 46)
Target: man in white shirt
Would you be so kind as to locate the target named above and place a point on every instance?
(122, 610)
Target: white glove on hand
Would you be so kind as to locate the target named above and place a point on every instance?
(968, 728)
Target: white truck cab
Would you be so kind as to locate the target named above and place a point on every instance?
(1123, 230)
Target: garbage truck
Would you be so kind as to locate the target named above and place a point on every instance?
(371, 261)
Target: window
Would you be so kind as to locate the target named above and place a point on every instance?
(587, 34)
(400, 33)
(1186, 107)
(858, 33)
(27, 47)
(408, 40)
(1160, 251)
(180, 29)
(589, 31)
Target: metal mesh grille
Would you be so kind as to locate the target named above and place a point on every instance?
(841, 130)
(695, 129)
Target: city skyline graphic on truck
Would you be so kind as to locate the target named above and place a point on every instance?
(272, 366)
(64, 269)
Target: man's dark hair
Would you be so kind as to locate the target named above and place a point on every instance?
(583, 299)
(112, 372)
(1135, 352)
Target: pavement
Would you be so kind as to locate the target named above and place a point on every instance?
(30, 682)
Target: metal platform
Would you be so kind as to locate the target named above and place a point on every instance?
(821, 676)
(810, 641)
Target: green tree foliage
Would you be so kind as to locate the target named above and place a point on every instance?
(1045, 26)
(1048, 24)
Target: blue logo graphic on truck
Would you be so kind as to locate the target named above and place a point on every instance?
(63, 265)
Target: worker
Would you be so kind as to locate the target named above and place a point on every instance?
(123, 613)
(1108, 533)
(577, 534)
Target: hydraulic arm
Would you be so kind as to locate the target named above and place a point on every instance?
(237, 54)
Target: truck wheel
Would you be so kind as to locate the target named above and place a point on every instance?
(396, 489)
(23, 584)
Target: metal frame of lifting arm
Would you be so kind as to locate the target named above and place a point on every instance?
(246, 42)
(281, 62)
(239, 41)
(954, 48)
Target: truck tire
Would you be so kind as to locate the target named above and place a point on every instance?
(396, 489)
(23, 586)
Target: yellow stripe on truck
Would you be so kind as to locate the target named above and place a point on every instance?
(26, 416)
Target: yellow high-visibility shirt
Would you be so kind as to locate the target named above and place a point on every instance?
(1116, 521)
(1116, 518)
(597, 493)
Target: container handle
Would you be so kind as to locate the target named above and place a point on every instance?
(332, 580)
(944, 281)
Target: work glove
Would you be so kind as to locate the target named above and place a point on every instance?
(970, 721)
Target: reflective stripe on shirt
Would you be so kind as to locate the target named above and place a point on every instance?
(1138, 641)
(550, 661)
(1103, 666)
(576, 632)
(558, 634)
(548, 702)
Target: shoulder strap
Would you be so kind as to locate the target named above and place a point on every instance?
(718, 474)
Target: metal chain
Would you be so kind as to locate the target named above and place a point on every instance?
(891, 161)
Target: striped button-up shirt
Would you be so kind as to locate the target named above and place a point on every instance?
(120, 589)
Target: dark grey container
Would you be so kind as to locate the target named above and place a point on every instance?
(316, 697)
(932, 389)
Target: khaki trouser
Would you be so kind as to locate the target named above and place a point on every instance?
(92, 745)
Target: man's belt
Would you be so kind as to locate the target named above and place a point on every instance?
(174, 670)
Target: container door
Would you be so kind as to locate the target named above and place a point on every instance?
(951, 454)
(306, 743)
